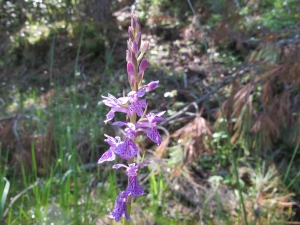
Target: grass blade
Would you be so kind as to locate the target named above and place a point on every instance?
(291, 162)
(4, 196)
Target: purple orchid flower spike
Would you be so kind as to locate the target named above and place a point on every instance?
(110, 155)
(134, 188)
(120, 207)
(134, 107)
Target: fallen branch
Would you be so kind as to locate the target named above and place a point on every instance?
(206, 96)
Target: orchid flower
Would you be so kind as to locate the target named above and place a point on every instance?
(120, 207)
(132, 171)
(133, 106)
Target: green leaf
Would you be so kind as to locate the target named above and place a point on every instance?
(4, 196)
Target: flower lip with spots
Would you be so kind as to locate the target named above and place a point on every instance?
(120, 207)
(109, 155)
(134, 188)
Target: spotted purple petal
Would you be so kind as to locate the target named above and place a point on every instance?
(130, 131)
(107, 156)
(112, 101)
(144, 164)
(127, 149)
(132, 170)
(110, 115)
(113, 142)
(119, 123)
(134, 187)
(138, 107)
(155, 117)
(131, 126)
(153, 135)
(122, 100)
(117, 166)
(143, 124)
(120, 207)
(141, 92)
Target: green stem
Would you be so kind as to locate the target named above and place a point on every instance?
(133, 120)
(78, 51)
(128, 207)
(130, 161)
(291, 162)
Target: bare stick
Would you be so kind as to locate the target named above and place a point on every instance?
(203, 98)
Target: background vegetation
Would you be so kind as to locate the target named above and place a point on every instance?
(229, 74)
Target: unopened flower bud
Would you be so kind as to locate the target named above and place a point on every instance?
(128, 56)
(140, 75)
(151, 85)
(138, 27)
(143, 65)
(138, 39)
(145, 47)
(134, 47)
(130, 69)
(134, 60)
(131, 73)
(129, 44)
(131, 33)
(133, 21)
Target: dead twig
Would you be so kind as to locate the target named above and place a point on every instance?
(206, 96)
